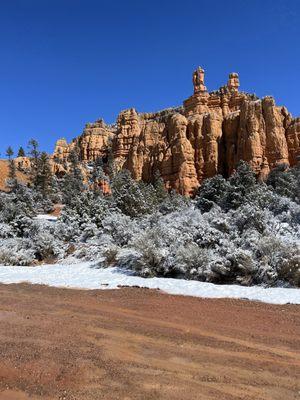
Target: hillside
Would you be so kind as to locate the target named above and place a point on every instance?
(4, 173)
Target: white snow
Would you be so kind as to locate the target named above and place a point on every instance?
(86, 276)
(46, 217)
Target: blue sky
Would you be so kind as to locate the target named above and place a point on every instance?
(68, 62)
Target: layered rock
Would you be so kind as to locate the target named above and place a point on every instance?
(208, 135)
(94, 142)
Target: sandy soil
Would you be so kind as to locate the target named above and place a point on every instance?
(143, 344)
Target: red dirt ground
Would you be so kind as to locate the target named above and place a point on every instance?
(143, 344)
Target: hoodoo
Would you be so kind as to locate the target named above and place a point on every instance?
(208, 135)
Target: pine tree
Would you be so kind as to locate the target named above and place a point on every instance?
(44, 175)
(21, 152)
(72, 183)
(34, 155)
(75, 170)
(9, 152)
(12, 182)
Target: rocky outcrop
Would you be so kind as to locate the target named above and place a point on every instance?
(208, 135)
(293, 140)
(94, 142)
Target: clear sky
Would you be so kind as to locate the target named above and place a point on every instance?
(68, 62)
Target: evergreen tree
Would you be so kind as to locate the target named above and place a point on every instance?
(159, 186)
(212, 191)
(12, 182)
(242, 182)
(9, 152)
(72, 183)
(44, 175)
(111, 165)
(130, 196)
(75, 167)
(98, 175)
(21, 152)
(284, 181)
(34, 155)
(243, 178)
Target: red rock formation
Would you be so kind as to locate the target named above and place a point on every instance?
(293, 141)
(92, 143)
(208, 135)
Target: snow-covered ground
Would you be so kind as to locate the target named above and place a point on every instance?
(46, 217)
(86, 276)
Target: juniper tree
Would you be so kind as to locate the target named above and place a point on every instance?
(159, 186)
(212, 191)
(285, 181)
(130, 196)
(98, 175)
(242, 182)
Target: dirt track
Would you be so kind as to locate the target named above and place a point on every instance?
(142, 344)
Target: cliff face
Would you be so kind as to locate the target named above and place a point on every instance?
(208, 135)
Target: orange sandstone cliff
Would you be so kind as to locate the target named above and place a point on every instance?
(208, 135)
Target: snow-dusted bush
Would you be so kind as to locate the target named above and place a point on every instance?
(86, 208)
(234, 231)
(192, 262)
(16, 251)
(173, 202)
(150, 254)
(6, 231)
(45, 243)
(289, 270)
(250, 217)
(110, 255)
(120, 227)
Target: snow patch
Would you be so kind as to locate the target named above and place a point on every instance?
(46, 217)
(87, 276)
